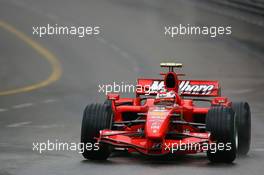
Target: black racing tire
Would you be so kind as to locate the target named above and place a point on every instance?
(243, 119)
(220, 122)
(108, 103)
(96, 117)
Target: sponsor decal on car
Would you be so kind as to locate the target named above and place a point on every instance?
(185, 87)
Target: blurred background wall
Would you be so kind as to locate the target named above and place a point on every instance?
(254, 6)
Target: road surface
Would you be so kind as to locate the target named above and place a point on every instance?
(131, 44)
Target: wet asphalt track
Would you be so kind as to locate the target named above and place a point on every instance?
(131, 44)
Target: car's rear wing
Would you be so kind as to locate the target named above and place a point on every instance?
(186, 87)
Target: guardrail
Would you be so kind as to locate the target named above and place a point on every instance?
(253, 6)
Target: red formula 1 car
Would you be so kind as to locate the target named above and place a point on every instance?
(165, 118)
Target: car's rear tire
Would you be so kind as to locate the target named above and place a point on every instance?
(96, 117)
(243, 120)
(220, 122)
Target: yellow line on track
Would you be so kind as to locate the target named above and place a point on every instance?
(52, 59)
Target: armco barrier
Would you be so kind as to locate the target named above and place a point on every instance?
(253, 6)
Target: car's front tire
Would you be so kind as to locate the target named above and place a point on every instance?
(220, 122)
(96, 117)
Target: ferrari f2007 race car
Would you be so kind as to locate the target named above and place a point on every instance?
(167, 117)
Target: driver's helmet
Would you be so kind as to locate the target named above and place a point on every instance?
(164, 95)
(166, 98)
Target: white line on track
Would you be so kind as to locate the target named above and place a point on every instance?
(102, 40)
(49, 100)
(115, 47)
(124, 54)
(3, 110)
(14, 125)
(24, 105)
(258, 149)
(52, 16)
